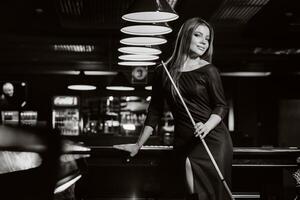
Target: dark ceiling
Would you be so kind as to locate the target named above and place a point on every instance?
(250, 34)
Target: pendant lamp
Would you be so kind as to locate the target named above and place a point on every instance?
(120, 83)
(140, 50)
(149, 29)
(140, 63)
(81, 83)
(143, 41)
(137, 57)
(120, 88)
(150, 11)
(100, 73)
(82, 87)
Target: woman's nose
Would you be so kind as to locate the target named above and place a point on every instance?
(202, 41)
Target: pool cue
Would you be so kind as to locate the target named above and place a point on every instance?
(202, 139)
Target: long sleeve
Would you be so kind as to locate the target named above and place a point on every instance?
(156, 105)
(216, 92)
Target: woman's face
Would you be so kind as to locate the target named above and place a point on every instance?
(200, 40)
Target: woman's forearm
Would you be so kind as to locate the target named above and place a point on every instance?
(213, 121)
(203, 129)
(147, 131)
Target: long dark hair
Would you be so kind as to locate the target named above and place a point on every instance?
(182, 48)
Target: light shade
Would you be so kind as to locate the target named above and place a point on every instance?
(82, 87)
(246, 74)
(120, 88)
(138, 57)
(100, 73)
(120, 83)
(146, 30)
(127, 63)
(59, 72)
(140, 50)
(141, 41)
(150, 11)
(149, 87)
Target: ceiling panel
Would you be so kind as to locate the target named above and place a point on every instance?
(31, 28)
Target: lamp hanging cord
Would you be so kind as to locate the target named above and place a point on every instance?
(202, 139)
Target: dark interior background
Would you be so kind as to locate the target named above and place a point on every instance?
(250, 35)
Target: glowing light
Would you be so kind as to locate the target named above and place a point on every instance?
(23, 104)
(120, 88)
(129, 127)
(143, 41)
(74, 48)
(148, 87)
(231, 116)
(126, 63)
(146, 30)
(100, 73)
(150, 17)
(66, 185)
(145, 11)
(140, 50)
(246, 74)
(82, 87)
(138, 57)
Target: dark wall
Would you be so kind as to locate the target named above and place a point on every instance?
(265, 109)
(255, 109)
(256, 101)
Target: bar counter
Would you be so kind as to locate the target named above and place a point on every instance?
(262, 172)
(106, 173)
(242, 156)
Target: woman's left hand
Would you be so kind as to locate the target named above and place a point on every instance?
(201, 130)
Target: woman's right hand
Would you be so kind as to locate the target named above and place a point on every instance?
(133, 149)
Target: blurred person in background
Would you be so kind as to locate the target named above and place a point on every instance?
(8, 100)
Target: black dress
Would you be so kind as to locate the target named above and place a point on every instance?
(203, 94)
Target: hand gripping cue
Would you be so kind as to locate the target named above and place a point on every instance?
(202, 139)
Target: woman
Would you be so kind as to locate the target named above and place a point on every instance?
(200, 85)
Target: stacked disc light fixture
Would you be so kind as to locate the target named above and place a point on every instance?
(146, 25)
(82, 86)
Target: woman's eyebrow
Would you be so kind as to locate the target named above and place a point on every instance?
(198, 32)
(201, 33)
